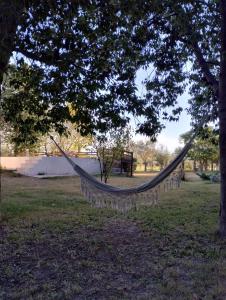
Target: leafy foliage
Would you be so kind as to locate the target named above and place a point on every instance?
(144, 152)
(213, 176)
(24, 107)
(162, 156)
(184, 51)
(82, 54)
(72, 141)
(88, 54)
(205, 147)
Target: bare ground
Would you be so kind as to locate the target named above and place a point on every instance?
(114, 261)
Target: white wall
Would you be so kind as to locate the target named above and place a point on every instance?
(32, 166)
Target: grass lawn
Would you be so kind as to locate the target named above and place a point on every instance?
(53, 245)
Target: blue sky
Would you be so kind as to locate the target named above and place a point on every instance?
(170, 135)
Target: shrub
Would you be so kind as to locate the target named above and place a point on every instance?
(213, 176)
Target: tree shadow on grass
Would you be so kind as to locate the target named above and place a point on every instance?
(118, 260)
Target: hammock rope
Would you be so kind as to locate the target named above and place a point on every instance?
(102, 195)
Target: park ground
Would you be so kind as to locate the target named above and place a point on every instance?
(53, 245)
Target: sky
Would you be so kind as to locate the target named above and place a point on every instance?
(169, 136)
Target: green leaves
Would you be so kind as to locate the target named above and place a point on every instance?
(87, 54)
(205, 146)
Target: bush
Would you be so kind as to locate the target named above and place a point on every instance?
(203, 175)
(213, 176)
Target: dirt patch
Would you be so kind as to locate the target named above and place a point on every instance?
(190, 176)
(84, 263)
(116, 261)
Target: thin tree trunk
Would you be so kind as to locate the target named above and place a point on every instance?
(101, 165)
(217, 165)
(152, 166)
(46, 150)
(222, 120)
(194, 165)
(182, 165)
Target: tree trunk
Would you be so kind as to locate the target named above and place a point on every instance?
(10, 14)
(222, 120)
(217, 166)
(182, 165)
(194, 166)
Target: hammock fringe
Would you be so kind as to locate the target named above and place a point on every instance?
(124, 203)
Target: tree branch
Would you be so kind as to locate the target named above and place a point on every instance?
(210, 78)
(49, 60)
(192, 43)
(213, 62)
(46, 60)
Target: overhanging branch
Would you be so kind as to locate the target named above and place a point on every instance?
(210, 78)
(49, 60)
(192, 43)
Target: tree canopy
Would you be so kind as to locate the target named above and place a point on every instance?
(87, 54)
(83, 54)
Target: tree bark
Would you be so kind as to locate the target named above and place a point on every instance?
(10, 14)
(194, 166)
(222, 120)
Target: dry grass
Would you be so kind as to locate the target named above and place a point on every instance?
(55, 246)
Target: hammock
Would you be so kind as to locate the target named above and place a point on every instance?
(103, 195)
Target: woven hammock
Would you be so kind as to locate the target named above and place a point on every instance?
(103, 195)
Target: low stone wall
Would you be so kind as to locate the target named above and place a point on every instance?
(42, 165)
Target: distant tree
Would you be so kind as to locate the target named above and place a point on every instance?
(144, 151)
(177, 151)
(162, 156)
(110, 147)
(72, 140)
(205, 149)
